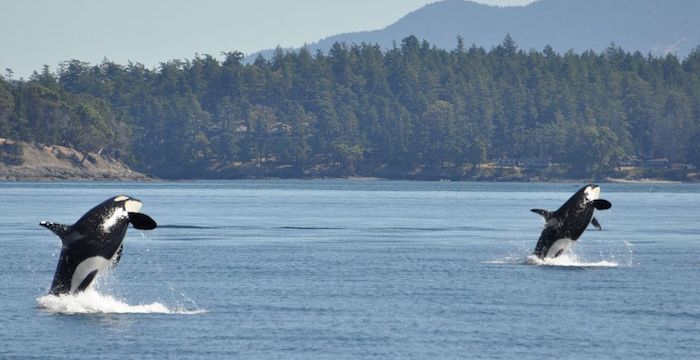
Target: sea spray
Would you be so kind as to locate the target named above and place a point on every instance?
(91, 301)
(569, 259)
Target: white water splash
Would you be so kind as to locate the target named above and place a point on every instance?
(569, 259)
(612, 254)
(92, 302)
(513, 260)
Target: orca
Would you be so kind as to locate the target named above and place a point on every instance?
(94, 242)
(564, 226)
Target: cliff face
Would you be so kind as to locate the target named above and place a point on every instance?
(31, 161)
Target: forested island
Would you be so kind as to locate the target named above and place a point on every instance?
(410, 112)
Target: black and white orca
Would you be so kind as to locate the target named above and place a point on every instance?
(94, 242)
(566, 225)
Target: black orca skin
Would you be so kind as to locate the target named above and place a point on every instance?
(569, 221)
(94, 242)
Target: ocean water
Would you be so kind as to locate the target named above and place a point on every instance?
(356, 270)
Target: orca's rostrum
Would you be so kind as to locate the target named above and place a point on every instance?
(94, 242)
(564, 226)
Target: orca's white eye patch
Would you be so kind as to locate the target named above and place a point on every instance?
(132, 205)
(593, 193)
(121, 198)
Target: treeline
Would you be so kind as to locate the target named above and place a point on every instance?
(359, 110)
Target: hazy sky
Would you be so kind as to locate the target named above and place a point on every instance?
(38, 32)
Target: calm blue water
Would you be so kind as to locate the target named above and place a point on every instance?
(356, 270)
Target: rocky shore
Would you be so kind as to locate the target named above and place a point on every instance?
(23, 161)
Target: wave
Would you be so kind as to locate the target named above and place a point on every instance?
(91, 301)
(309, 228)
(187, 227)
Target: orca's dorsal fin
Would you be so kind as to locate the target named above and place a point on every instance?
(142, 221)
(63, 231)
(595, 223)
(546, 214)
(601, 204)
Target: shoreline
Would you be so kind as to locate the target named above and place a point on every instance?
(646, 181)
(150, 179)
(35, 162)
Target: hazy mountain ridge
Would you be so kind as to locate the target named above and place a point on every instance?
(649, 26)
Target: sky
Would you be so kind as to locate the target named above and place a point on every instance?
(46, 32)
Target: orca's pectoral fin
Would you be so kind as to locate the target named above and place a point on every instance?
(601, 204)
(546, 214)
(142, 221)
(595, 223)
(58, 229)
(61, 230)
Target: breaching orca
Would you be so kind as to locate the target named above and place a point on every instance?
(94, 242)
(566, 225)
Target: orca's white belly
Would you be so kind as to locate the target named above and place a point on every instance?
(86, 267)
(559, 246)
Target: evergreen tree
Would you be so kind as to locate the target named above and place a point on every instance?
(358, 110)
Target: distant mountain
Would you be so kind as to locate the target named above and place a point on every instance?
(650, 26)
